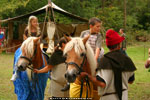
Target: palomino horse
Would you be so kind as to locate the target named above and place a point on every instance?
(28, 85)
(79, 57)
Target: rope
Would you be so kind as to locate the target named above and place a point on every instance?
(51, 12)
(44, 22)
(10, 47)
(50, 2)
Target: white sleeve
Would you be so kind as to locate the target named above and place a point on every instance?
(107, 76)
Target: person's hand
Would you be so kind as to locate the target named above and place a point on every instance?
(35, 70)
(147, 65)
(124, 49)
(83, 74)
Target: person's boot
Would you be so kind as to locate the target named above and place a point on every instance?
(14, 76)
(66, 87)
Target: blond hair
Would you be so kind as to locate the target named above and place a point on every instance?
(79, 47)
(29, 26)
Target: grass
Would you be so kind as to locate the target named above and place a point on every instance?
(6, 86)
(139, 90)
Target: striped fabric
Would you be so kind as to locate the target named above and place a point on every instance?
(92, 39)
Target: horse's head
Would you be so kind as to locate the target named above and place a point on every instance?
(75, 52)
(29, 50)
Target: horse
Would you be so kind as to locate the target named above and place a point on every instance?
(79, 58)
(29, 85)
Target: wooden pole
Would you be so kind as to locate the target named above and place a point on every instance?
(125, 14)
(103, 5)
(10, 34)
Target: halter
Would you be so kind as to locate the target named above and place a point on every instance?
(80, 68)
(30, 59)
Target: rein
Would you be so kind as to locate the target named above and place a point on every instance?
(34, 76)
(80, 69)
(30, 65)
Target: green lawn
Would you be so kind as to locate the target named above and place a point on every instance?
(139, 90)
(6, 86)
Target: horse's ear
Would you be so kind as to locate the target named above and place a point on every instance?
(37, 39)
(85, 39)
(67, 38)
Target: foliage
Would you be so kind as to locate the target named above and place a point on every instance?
(112, 17)
(111, 12)
(18, 7)
(8, 7)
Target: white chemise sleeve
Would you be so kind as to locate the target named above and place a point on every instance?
(106, 75)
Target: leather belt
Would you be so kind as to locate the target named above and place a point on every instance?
(112, 93)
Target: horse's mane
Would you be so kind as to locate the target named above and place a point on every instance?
(28, 46)
(79, 47)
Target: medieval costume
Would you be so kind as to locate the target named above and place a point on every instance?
(58, 80)
(25, 89)
(115, 70)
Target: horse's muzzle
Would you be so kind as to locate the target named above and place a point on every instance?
(22, 67)
(70, 76)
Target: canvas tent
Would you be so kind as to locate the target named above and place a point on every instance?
(42, 10)
(73, 29)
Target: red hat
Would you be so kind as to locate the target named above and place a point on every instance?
(113, 38)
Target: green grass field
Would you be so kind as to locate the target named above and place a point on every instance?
(139, 90)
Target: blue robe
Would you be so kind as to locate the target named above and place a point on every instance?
(26, 90)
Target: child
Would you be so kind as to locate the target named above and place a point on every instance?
(56, 63)
(32, 28)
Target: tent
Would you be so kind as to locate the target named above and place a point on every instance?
(42, 10)
(73, 29)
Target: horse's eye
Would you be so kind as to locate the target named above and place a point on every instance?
(82, 54)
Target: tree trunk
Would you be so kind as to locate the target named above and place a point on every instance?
(103, 5)
(125, 13)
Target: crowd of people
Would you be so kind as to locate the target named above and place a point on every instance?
(114, 70)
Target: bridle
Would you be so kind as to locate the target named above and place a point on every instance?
(34, 76)
(30, 65)
(79, 68)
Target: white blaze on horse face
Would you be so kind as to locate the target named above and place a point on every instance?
(80, 46)
(23, 63)
(72, 71)
(27, 49)
(73, 57)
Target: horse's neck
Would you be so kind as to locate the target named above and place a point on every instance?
(86, 67)
(38, 59)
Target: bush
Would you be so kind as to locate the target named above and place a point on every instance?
(112, 18)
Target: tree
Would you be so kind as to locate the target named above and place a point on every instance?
(125, 14)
